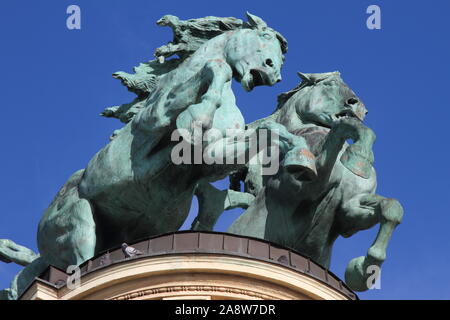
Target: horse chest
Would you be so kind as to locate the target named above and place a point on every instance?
(228, 116)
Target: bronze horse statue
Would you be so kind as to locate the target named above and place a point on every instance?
(132, 188)
(307, 212)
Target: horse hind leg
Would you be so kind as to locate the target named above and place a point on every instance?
(358, 271)
(23, 279)
(66, 233)
(66, 236)
(391, 214)
(213, 202)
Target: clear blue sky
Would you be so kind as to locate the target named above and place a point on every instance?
(55, 82)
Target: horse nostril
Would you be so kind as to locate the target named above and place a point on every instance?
(278, 80)
(352, 101)
(269, 62)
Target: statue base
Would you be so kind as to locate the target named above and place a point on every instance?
(194, 265)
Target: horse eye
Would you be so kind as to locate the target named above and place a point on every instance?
(267, 36)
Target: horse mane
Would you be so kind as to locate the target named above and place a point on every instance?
(188, 36)
(308, 79)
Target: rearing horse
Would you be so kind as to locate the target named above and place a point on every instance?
(131, 188)
(309, 213)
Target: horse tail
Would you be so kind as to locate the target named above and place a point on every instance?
(12, 252)
(142, 82)
(23, 279)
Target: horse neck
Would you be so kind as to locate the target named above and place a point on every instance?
(212, 49)
(287, 116)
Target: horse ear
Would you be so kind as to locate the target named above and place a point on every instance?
(255, 22)
(305, 77)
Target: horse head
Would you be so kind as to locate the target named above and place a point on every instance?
(321, 99)
(255, 53)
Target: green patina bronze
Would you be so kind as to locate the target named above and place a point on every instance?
(309, 213)
(132, 188)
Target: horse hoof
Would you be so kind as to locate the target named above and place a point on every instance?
(301, 163)
(356, 275)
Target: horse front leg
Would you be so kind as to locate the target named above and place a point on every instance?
(357, 158)
(189, 104)
(389, 213)
(297, 159)
(198, 117)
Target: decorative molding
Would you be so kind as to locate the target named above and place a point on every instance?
(157, 277)
(194, 288)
